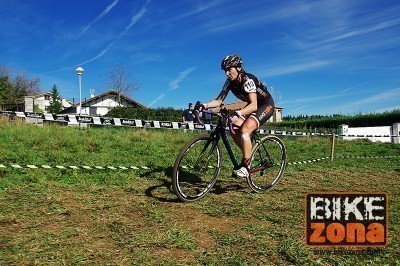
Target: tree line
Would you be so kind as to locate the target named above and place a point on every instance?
(333, 121)
(301, 122)
(158, 114)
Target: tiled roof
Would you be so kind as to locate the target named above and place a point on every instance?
(113, 92)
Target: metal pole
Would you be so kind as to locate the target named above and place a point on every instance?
(80, 95)
(80, 71)
(333, 147)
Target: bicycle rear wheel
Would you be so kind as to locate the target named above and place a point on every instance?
(268, 160)
(196, 168)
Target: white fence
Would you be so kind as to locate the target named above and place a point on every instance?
(374, 134)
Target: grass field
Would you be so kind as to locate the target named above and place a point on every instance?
(131, 217)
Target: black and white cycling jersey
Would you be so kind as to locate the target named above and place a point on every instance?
(249, 83)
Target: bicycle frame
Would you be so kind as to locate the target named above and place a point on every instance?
(198, 164)
(220, 133)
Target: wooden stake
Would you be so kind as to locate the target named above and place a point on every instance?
(333, 147)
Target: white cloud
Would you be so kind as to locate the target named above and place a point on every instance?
(378, 98)
(366, 30)
(102, 14)
(294, 68)
(135, 18)
(103, 52)
(159, 98)
(388, 109)
(174, 84)
(297, 109)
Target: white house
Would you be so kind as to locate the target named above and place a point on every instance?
(103, 103)
(42, 101)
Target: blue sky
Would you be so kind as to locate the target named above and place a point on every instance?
(319, 57)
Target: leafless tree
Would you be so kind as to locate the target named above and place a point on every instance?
(4, 71)
(119, 79)
(14, 87)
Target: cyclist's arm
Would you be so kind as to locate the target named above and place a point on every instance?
(252, 107)
(218, 101)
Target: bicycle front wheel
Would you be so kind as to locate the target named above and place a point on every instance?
(196, 168)
(268, 160)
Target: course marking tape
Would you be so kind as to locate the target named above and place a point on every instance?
(308, 161)
(86, 167)
(72, 167)
(344, 157)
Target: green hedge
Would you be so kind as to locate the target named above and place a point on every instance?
(360, 120)
(311, 123)
(159, 114)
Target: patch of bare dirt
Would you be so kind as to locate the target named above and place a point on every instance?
(201, 225)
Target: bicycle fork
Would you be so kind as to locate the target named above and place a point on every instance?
(214, 143)
(228, 147)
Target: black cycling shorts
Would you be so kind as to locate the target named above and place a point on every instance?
(264, 112)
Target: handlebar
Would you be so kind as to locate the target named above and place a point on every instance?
(221, 114)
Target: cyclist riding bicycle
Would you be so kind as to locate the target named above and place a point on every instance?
(260, 106)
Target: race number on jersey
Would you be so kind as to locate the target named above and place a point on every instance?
(250, 86)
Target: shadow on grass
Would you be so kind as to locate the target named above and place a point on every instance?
(223, 187)
(158, 191)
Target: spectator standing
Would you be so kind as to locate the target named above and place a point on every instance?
(188, 116)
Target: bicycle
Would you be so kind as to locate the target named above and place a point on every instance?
(198, 164)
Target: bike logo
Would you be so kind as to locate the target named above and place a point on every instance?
(84, 119)
(107, 121)
(166, 124)
(128, 122)
(347, 219)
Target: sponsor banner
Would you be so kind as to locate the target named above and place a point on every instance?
(347, 219)
(107, 121)
(147, 123)
(128, 122)
(73, 119)
(34, 115)
(166, 124)
(199, 126)
(84, 119)
(61, 118)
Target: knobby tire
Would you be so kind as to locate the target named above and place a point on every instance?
(196, 168)
(269, 155)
